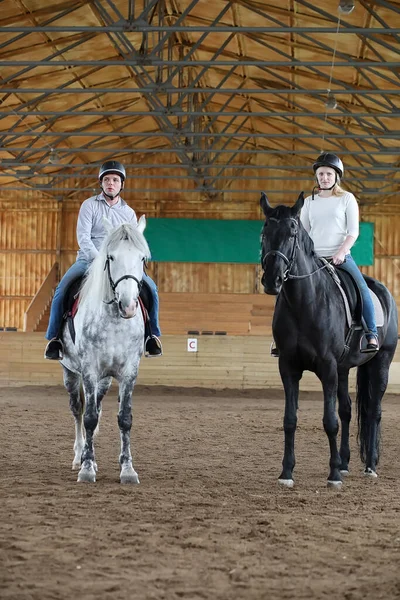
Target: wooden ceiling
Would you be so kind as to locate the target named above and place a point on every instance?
(211, 98)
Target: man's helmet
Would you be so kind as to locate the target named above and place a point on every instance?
(329, 160)
(112, 166)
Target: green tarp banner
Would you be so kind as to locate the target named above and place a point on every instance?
(217, 241)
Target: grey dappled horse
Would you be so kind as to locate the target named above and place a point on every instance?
(109, 342)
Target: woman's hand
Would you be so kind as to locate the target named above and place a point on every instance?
(339, 257)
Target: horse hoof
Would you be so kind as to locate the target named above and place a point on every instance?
(129, 476)
(87, 475)
(76, 465)
(289, 483)
(334, 485)
(370, 473)
(344, 472)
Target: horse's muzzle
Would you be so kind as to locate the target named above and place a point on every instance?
(127, 312)
(271, 286)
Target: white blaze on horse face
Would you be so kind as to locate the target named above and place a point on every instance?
(127, 290)
(128, 298)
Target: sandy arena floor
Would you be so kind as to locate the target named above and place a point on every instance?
(208, 520)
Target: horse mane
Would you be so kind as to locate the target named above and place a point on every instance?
(306, 241)
(96, 284)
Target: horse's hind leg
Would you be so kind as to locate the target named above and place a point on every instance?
(128, 473)
(72, 383)
(345, 418)
(372, 379)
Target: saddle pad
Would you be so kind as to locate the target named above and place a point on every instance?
(378, 309)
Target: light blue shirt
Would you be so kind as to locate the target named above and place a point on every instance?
(90, 229)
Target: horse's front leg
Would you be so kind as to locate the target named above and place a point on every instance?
(329, 380)
(345, 418)
(128, 473)
(290, 380)
(88, 469)
(102, 389)
(72, 383)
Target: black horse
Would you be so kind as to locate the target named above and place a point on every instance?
(310, 329)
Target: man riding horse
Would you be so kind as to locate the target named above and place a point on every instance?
(90, 234)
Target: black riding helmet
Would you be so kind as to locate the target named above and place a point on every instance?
(329, 160)
(112, 166)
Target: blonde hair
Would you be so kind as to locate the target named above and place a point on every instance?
(338, 190)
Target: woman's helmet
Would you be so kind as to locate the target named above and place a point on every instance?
(112, 166)
(329, 160)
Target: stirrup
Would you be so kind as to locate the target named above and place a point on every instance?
(274, 350)
(370, 347)
(54, 350)
(153, 347)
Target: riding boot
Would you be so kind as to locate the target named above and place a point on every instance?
(274, 351)
(54, 350)
(153, 347)
(371, 347)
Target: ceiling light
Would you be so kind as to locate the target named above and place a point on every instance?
(53, 157)
(346, 6)
(331, 102)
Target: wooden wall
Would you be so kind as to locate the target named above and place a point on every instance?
(234, 362)
(36, 231)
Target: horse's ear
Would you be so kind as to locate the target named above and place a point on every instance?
(142, 224)
(107, 225)
(265, 205)
(299, 205)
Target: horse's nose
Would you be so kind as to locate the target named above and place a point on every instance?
(127, 312)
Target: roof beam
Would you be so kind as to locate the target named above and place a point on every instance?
(129, 27)
(243, 62)
(160, 88)
(286, 153)
(11, 163)
(343, 114)
(50, 188)
(394, 135)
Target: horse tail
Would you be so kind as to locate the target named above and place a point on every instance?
(367, 412)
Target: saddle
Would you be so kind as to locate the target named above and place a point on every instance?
(71, 302)
(353, 304)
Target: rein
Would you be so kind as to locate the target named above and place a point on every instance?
(114, 284)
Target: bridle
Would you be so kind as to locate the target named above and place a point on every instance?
(290, 261)
(114, 284)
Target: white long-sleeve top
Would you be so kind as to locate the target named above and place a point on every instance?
(328, 221)
(90, 229)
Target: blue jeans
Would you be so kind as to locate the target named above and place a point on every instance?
(153, 314)
(76, 270)
(368, 307)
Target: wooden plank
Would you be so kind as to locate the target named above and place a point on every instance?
(236, 362)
